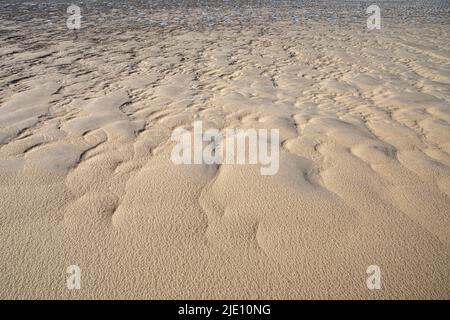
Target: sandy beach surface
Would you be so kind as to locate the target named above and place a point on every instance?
(86, 176)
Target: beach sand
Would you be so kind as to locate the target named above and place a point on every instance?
(86, 176)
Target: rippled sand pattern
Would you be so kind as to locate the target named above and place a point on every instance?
(86, 176)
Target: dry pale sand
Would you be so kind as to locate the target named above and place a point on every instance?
(86, 176)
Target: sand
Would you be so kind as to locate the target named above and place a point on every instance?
(86, 177)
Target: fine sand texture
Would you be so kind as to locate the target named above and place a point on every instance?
(86, 176)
